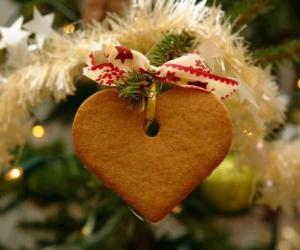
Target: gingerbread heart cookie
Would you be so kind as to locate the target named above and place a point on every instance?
(152, 174)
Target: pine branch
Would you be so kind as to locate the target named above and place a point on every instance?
(171, 46)
(60, 7)
(288, 50)
(246, 10)
(135, 87)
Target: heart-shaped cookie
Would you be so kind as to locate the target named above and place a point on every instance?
(153, 174)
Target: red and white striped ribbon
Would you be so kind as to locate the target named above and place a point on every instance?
(109, 66)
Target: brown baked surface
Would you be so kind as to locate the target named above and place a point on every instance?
(153, 174)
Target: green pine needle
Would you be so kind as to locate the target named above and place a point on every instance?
(288, 50)
(135, 87)
(171, 46)
(247, 10)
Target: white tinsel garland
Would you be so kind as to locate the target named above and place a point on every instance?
(281, 175)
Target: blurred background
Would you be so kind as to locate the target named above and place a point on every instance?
(51, 202)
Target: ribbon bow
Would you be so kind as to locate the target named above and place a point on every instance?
(109, 66)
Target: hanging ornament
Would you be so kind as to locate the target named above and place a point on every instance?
(153, 174)
(230, 189)
(14, 34)
(14, 40)
(41, 26)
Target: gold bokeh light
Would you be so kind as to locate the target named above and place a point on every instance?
(38, 131)
(14, 174)
(69, 28)
(177, 209)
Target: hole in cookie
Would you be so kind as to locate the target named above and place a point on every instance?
(152, 129)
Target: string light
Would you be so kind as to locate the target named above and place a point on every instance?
(260, 145)
(247, 132)
(69, 28)
(299, 83)
(177, 209)
(289, 233)
(14, 174)
(38, 131)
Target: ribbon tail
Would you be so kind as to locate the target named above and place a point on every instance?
(189, 71)
(221, 86)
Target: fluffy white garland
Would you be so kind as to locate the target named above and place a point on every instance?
(51, 72)
(281, 175)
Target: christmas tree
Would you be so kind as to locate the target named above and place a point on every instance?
(48, 200)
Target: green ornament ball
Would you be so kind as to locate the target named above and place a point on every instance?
(230, 189)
